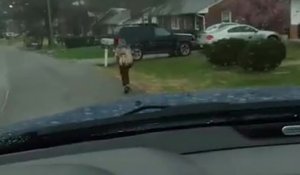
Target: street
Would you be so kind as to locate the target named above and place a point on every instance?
(34, 85)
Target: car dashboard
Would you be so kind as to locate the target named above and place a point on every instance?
(204, 151)
(133, 161)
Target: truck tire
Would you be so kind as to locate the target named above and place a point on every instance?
(184, 49)
(137, 53)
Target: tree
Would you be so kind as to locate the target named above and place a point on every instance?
(138, 6)
(70, 15)
(73, 17)
(264, 14)
(32, 14)
(135, 6)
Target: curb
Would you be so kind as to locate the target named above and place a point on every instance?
(99, 62)
(4, 86)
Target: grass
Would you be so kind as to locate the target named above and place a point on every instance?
(185, 74)
(195, 73)
(80, 53)
(10, 42)
(293, 51)
(97, 52)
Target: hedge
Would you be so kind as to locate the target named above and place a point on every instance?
(262, 55)
(73, 42)
(256, 55)
(224, 52)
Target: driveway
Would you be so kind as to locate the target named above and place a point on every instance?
(34, 85)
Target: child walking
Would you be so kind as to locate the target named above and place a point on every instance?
(124, 59)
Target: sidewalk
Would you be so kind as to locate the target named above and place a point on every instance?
(4, 86)
(112, 61)
(291, 63)
(97, 61)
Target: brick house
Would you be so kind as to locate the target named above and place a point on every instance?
(184, 15)
(295, 19)
(193, 16)
(109, 22)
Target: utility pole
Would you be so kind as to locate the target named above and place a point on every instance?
(50, 23)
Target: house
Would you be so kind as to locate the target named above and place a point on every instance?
(76, 23)
(184, 15)
(193, 16)
(295, 19)
(109, 23)
(12, 26)
(145, 18)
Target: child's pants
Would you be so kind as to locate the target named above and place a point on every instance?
(124, 72)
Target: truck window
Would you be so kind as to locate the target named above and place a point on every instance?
(133, 34)
(128, 32)
(161, 32)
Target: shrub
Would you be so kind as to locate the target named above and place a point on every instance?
(33, 42)
(262, 55)
(224, 52)
(73, 42)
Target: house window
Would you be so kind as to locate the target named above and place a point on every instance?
(197, 23)
(161, 21)
(154, 20)
(226, 16)
(145, 19)
(175, 23)
(185, 23)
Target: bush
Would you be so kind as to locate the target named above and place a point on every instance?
(224, 52)
(33, 42)
(73, 42)
(262, 55)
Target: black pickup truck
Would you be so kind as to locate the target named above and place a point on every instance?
(147, 39)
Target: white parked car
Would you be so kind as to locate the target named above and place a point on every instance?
(219, 26)
(10, 34)
(239, 31)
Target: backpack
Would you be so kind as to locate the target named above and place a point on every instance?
(124, 56)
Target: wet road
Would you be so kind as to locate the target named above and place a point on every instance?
(34, 85)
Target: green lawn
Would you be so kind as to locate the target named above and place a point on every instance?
(98, 52)
(10, 41)
(293, 51)
(194, 73)
(80, 53)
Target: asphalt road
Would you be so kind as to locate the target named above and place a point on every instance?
(34, 85)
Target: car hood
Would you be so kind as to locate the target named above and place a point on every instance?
(183, 34)
(248, 95)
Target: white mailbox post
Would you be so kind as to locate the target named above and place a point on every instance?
(106, 56)
(107, 43)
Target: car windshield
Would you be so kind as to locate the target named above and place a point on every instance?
(219, 29)
(219, 26)
(64, 61)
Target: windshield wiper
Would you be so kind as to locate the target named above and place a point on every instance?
(144, 109)
(167, 118)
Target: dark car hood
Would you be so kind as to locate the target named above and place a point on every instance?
(184, 36)
(115, 110)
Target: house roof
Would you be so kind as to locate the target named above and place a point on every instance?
(176, 7)
(116, 16)
(134, 21)
(98, 15)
